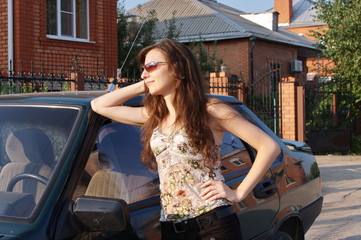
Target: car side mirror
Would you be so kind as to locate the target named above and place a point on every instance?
(299, 146)
(102, 214)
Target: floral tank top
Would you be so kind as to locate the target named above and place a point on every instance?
(181, 174)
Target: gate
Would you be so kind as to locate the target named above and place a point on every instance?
(263, 96)
(329, 115)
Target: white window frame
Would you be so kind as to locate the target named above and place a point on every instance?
(59, 35)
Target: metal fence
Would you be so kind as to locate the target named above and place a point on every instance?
(329, 115)
(263, 96)
(11, 83)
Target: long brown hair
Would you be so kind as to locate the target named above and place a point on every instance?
(189, 101)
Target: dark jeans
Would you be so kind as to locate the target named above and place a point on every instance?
(226, 228)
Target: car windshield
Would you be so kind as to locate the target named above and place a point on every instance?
(32, 139)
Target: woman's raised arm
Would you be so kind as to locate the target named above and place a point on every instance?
(110, 105)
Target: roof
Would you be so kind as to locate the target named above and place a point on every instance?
(59, 95)
(79, 97)
(209, 20)
(303, 14)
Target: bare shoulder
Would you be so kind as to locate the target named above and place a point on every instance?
(220, 110)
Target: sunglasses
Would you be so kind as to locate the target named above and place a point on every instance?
(152, 66)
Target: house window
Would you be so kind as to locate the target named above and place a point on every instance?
(68, 19)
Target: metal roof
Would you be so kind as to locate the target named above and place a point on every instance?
(209, 20)
(303, 14)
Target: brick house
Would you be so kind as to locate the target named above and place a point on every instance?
(298, 16)
(55, 36)
(247, 43)
(267, 60)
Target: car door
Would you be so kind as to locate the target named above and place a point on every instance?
(114, 170)
(258, 210)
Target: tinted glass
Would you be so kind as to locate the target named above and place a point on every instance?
(32, 139)
(114, 170)
(116, 161)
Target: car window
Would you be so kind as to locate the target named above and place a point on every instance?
(32, 139)
(115, 167)
(114, 170)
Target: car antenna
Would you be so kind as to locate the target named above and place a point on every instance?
(114, 82)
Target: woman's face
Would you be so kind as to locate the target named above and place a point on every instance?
(157, 78)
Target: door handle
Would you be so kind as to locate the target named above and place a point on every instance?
(265, 189)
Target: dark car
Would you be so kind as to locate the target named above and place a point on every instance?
(68, 173)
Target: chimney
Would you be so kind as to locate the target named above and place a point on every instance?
(266, 19)
(285, 9)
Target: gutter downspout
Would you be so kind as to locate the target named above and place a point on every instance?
(251, 60)
(10, 36)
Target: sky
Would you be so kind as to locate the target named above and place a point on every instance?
(243, 5)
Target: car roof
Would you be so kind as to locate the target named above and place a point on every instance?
(80, 97)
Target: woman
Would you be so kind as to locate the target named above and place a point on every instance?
(181, 134)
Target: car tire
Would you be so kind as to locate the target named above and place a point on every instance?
(282, 236)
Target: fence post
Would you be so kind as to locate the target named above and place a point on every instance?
(77, 81)
(222, 83)
(77, 76)
(292, 110)
(300, 100)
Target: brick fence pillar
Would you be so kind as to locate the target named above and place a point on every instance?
(225, 83)
(77, 76)
(77, 83)
(292, 110)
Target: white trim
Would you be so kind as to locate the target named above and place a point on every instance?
(10, 35)
(69, 39)
(58, 17)
(88, 20)
(74, 18)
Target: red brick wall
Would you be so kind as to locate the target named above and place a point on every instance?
(268, 52)
(288, 106)
(236, 57)
(307, 30)
(51, 55)
(3, 36)
(285, 9)
(321, 66)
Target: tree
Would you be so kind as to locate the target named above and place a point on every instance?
(171, 30)
(142, 32)
(208, 61)
(132, 37)
(341, 41)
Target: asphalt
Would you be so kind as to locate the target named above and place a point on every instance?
(340, 218)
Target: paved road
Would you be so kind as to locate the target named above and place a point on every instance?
(341, 214)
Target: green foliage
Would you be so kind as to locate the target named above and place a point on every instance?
(341, 41)
(314, 172)
(171, 31)
(356, 144)
(263, 107)
(129, 30)
(22, 87)
(319, 104)
(208, 61)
